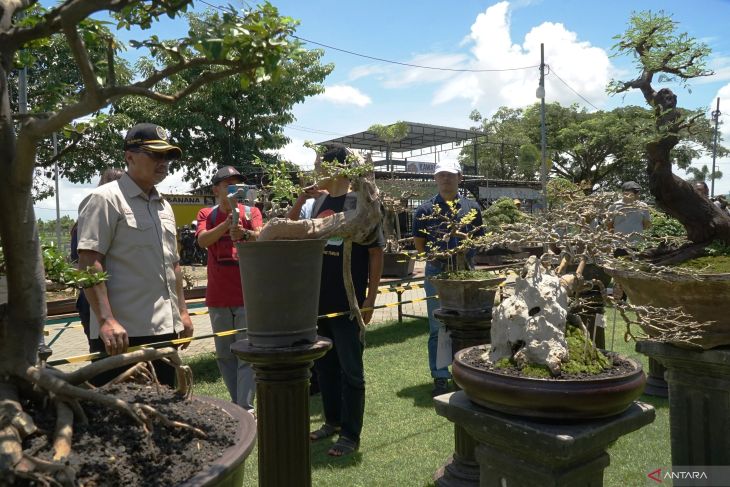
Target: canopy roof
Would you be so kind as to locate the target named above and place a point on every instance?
(420, 136)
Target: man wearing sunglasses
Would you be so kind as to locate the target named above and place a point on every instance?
(128, 230)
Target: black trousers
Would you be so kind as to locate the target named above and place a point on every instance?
(165, 373)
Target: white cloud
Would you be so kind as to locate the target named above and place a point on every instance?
(295, 152)
(366, 70)
(345, 95)
(584, 67)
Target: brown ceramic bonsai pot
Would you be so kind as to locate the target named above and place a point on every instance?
(228, 470)
(467, 295)
(705, 299)
(548, 398)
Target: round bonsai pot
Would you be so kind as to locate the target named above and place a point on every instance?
(548, 398)
(228, 470)
(467, 295)
(280, 281)
(704, 298)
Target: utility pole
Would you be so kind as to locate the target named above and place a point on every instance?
(716, 117)
(58, 207)
(543, 142)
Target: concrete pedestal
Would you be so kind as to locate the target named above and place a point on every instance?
(282, 409)
(699, 402)
(520, 452)
(467, 330)
(655, 383)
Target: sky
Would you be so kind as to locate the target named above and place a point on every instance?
(467, 34)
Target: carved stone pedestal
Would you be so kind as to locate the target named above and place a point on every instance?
(467, 330)
(655, 383)
(699, 402)
(282, 409)
(521, 452)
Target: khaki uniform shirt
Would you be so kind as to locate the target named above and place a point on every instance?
(137, 236)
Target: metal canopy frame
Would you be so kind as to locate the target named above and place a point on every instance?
(420, 136)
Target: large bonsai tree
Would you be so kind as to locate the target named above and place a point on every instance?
(253, 44)
(661, 52)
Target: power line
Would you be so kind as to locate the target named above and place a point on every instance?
(411, 65)
(552, 71)
(390, 61)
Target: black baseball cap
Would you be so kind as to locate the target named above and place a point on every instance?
(151, 138)
(226, 172)
(631, 186)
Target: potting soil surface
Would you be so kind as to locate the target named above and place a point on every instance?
(113, 450)
(621, 367)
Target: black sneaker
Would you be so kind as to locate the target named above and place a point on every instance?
(440, 386)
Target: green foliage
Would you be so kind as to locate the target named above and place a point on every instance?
(390, 133)
(235, 120)
(558, 189)
(663, 225)
(467, 275)
(504, 211)
(656, 46)
(703, 173)
(60, 271)
(278, 181)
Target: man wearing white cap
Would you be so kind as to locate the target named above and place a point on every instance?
(448, 176)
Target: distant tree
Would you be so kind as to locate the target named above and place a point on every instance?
(703, 174)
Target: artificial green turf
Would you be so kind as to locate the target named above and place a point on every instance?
(404, 441)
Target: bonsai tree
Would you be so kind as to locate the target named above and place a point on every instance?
(660, 51)
(253, 44)
(394, 206)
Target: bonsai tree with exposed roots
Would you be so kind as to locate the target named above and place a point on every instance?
(254, 44)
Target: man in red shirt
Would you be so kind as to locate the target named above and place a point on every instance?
(224, 294)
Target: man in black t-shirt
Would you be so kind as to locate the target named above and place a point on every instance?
(341, 372)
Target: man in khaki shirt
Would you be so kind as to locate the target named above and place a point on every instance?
(128, 230)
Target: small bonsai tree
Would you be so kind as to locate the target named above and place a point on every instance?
(660, 51)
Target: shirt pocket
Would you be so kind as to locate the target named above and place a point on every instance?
(169, 236)
(137, 230)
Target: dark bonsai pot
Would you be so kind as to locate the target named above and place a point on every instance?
(398, 264)
(466, 295)
(281, 290)
(548, 398)
(705, 299)
(228, 470)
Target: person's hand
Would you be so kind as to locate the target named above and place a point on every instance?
(368, 303)
(313, 191)
(238, 233)
(114, 336)
(187, 330)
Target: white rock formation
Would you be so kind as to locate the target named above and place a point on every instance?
(530, 325)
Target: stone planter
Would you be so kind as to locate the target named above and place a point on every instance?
(398, 264)
(546, 398)
(228, 470)
(281, 290)
(705, 299)
(466, 296)
(699, 402)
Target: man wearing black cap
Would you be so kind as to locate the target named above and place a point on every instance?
(217, 233)
(128, 230)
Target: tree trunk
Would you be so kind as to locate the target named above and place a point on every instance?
(703, 220)
(23, 316)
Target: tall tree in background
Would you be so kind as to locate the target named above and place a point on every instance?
(703, 174)
(255, 44)
(233, 121)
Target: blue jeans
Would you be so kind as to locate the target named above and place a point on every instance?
(433, 323)
(341, 376)
(238, 375)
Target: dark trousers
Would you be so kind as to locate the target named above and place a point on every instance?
(341, 376)
(165, 373)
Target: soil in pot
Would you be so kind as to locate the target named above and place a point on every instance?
(114, 450)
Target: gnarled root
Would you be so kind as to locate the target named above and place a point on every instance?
(95, 368)
(64, 431)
